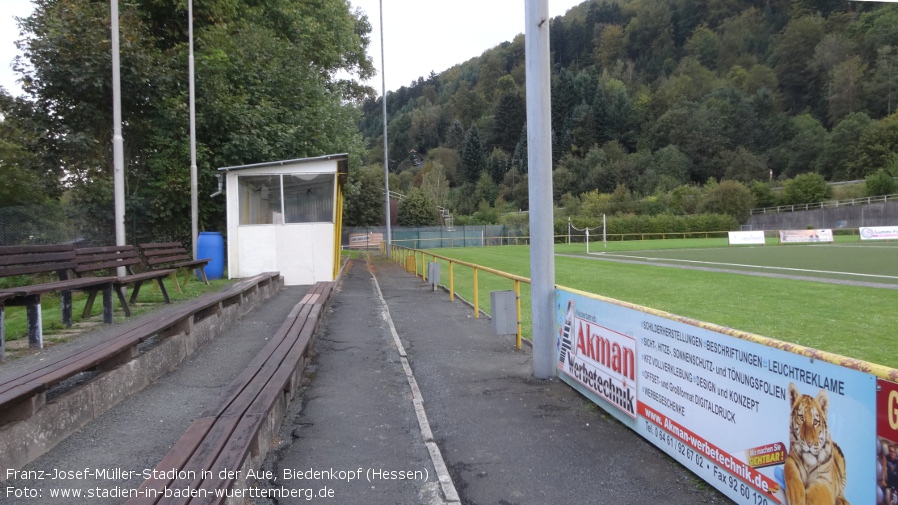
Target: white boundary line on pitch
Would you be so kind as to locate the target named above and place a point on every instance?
(649, 258)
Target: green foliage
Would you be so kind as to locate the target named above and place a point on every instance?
(363, 201)
(806, 188)
(417, 210)
(763, 193)
(880, 183)
(659, 97)
(731, 198)
(268, 88)
(875, 149)
(666, 223)
(473, 156)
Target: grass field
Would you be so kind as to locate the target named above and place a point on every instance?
(851, 320)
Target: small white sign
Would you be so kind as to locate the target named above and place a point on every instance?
(879, 233)
(747, 237)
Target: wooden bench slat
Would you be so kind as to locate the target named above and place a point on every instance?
(203, 456)
(70, 284)
(36, 258)
(107, 265)
(45, 248)
(40, 268)
(179, 454)
(154, 245)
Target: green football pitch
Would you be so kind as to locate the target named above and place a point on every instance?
(841, 297)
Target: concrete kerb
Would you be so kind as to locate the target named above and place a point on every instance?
(25, 440)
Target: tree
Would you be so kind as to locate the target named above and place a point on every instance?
(882, 87)
(763, 194)
(24, 181)
(364, 202)
(744, 166)
(704, 45)
(450, 160)
(473, 158)
(846, 88)
(875, 148)
(268, 88)
(795, 49)
(510, 114)
(806, 188)
(417, 210)
(840, 145)
(610, 44)
(879, 183)
(803, 149)
(731, 198)
(455, 137)
(434, 183)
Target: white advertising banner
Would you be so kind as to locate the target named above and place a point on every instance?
(746, 237)
(748, 418)
(879, 233)
(799, 236)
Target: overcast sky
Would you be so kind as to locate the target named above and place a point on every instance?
(421, 35)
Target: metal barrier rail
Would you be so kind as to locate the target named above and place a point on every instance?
(402, 254)
(867, 200)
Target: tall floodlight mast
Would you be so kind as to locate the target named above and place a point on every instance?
(539, 160)
(118, 151)
(383, 99)
(194, 204)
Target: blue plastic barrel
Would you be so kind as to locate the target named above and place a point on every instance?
(211, 245)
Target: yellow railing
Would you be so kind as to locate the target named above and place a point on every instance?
(406, 256)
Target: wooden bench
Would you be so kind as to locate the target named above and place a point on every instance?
(173, 255)
(47, 259)
(96, 259)
(225, 436)
(23, 392)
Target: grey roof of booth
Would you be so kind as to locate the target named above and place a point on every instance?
(329, 157)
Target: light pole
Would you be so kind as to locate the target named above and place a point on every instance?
(194, 206)
(383, 80)
(118, 151)
(539, 161)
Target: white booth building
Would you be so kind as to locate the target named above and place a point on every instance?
(286, 216)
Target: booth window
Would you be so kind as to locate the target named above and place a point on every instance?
(309, 198)
(291, 198)
(260, 199)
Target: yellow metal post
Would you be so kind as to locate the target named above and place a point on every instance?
(517, 296)
(476, 297)
(451, 284)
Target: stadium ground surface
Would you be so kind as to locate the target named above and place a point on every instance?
(873, 265)
(838, 297)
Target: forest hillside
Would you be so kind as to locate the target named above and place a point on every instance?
(672, 107)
